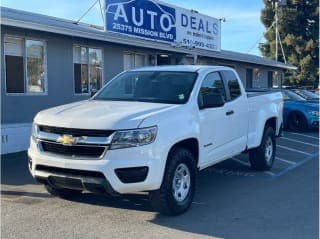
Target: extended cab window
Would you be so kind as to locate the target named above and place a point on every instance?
(233, 84)
(212, 84)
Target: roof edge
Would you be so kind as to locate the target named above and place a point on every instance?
(92, 32)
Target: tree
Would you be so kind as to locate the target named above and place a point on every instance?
(298, 24)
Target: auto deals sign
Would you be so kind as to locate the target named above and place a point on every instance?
(157, 21)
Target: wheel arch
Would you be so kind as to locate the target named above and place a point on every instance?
(272, 122)
(163, 199)
(191, 144)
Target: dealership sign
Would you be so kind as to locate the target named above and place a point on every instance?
(157, 21)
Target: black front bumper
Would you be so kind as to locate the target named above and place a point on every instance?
(75, 179)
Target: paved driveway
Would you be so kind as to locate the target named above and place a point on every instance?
(232, 201)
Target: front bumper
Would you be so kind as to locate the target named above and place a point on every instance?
(313, 122)
(118, 171)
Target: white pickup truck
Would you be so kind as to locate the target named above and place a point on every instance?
(151, 129)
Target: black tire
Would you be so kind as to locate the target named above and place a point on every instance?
(297, 122)
(261, 158)
(163, 200)
(62, 192)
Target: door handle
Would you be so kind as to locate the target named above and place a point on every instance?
(229, 112)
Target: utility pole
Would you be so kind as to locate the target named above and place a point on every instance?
(275, 4)
(276, 16)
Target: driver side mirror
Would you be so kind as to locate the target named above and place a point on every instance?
(212, 100)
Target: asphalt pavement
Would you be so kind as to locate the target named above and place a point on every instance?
(232, 201)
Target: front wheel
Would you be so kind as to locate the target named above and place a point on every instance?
(178, 186)
(262, 158)
(297, 122)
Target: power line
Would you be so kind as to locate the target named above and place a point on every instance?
(87, 11)
(278, 40)
(101, 12)
(255, 44)
(284, 56)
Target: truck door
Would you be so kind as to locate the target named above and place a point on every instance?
(213, 121)
(236, 110)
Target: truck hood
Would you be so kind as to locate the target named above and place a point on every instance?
(92, 114)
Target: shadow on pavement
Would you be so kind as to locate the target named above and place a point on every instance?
(139, 202)
(225, 206)
(14, 169)
(209, 214)
(239, 207)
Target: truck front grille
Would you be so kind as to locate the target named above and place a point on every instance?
(72, 150)
(76, 132)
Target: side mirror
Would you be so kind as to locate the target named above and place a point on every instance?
(212, 100)
(93, 92)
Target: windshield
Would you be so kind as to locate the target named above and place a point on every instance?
(150, 86)
(290, 95)
(306, 94)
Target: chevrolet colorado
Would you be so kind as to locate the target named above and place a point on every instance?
(150, 130)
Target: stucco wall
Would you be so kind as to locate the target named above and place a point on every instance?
(22, 108)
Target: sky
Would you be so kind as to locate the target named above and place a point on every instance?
(240, 32)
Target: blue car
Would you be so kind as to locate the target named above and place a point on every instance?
(307, 95)
(299, 114)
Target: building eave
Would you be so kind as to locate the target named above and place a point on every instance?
(85, 31)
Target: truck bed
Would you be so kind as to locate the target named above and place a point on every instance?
(262, 104)
(258, 92)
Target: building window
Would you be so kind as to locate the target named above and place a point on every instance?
(249, 78)
(87, 69)
(132, 60)
(274, 79)
(270, 79)
(25, 65)
(257, 74)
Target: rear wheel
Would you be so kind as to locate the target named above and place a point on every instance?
(262, 158)
(297, 122)
(62, 192)
(178, 186)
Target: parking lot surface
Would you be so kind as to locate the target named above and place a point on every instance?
(232, 201)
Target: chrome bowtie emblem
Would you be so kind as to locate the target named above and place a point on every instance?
(67, 139)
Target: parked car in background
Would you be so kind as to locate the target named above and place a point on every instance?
(299, 114)
(316, 92)
(306, 94)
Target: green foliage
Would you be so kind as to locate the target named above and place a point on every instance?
(298, 24)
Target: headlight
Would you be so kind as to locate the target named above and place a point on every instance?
(314, 113)
(35, 130)
(133, 138)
